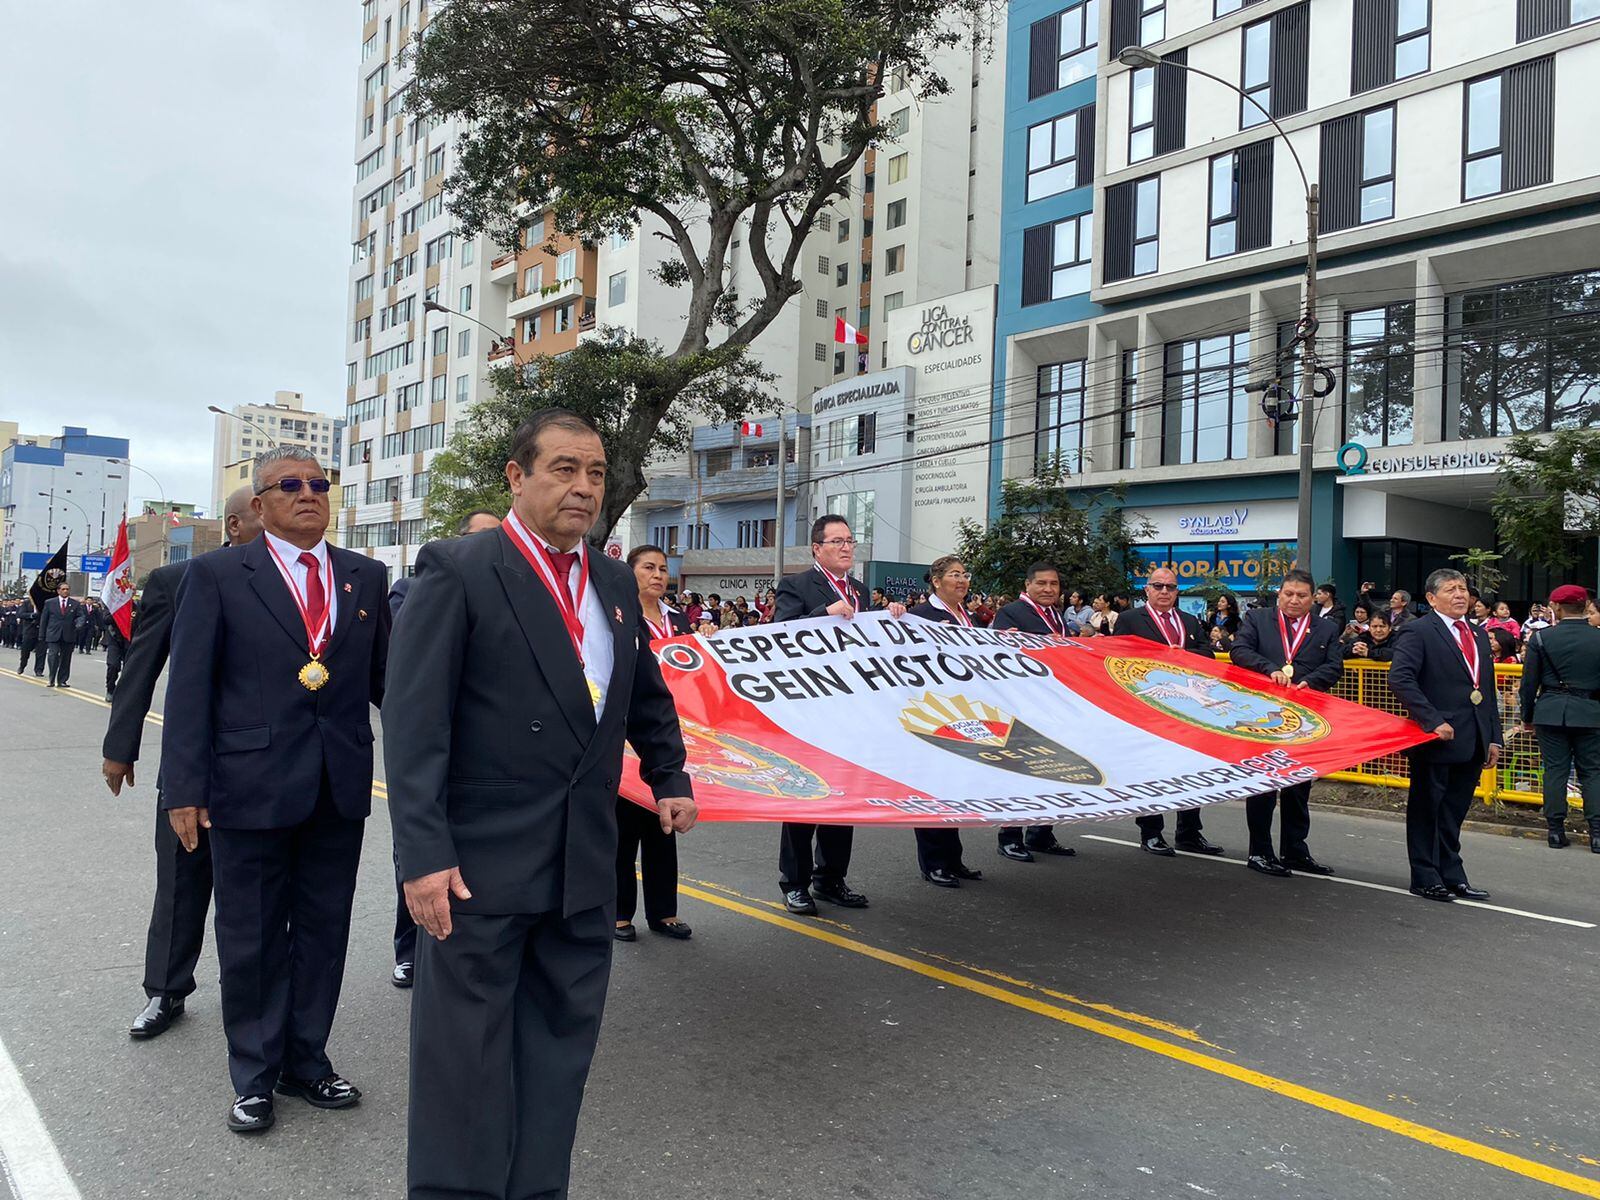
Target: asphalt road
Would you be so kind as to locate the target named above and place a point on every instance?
(1106, 1026)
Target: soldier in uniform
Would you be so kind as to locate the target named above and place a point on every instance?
(1561, 702)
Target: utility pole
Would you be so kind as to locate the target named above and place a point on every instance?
(777, 534)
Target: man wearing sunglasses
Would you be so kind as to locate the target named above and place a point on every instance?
(1162, 621)
(278, 650)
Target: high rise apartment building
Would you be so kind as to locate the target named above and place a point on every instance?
(1154, 242)
(245, 430)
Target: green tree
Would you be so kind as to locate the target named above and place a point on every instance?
(606, 378)
(1088, 537)
(710, 120)
(1478, 565)
(1547, 495)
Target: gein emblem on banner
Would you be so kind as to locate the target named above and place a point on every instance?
(980, 732)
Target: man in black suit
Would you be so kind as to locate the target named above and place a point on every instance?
(1443, 672)
(59, 625)
(183, 876)
(826, 590)
(1560, 704)
(1161, 620)
(28, 639)
(1037, 610)
(405, 929)
(1295, 650)
(278, 654)
(519, 668)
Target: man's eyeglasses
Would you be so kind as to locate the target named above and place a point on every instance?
(292, 485)
(1162, 587)
(838, 542)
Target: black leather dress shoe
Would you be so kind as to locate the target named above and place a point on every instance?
(1267, 864)
(157, 1016)
(1197, 845)
(331, 1091)
(939, 877)
(1158, 845)
(1307, 865)
(1437, 892)
(837, 892)
(962, 871)
(625, 933)
(673, 929)
(800, 903)
(1051, 847)
(1015, 853)
(1467, 892)
(401, 975)
(251, 1114)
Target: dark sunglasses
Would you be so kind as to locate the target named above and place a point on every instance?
(292, 485)
(1164, 587)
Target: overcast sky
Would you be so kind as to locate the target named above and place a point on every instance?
(175, 200)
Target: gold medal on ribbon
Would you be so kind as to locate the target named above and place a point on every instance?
(1475, 696)
(314, 675)
(1288, 670)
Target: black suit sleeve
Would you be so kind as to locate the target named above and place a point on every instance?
(1003, 619)
(397, 596)
(196, 645)
(380, 639)
(428, 651)
(147, 654)
(1405, 669)
(791, 603)
(1532, 674)
(1246, 650)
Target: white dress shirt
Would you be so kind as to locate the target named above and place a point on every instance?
(289, 555)
(598, 649)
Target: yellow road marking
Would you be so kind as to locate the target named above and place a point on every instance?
(74, 693)
(1428, 1136)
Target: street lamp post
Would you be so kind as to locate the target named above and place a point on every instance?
(160, 491)
(221, 412)
(429, 306)
(1138, 56)
(88, 525)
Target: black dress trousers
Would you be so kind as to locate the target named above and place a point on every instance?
(60, 660)
(796, 865)
(639, 836)
(1295, 805)
(938, 848)
(178, 916)
(1188, 824)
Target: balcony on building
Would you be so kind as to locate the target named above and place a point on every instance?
(523, 302)
(503, 267)
(727, 465)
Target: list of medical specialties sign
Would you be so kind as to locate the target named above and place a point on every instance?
(911, 722)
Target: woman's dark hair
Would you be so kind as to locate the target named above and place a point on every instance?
(1233, 605)
(940, 565)
(1505, 644)
(639, 552)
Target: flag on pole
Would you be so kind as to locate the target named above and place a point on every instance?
(117, 591)
(749, 429)
(846, 333)
(174, 518)
(44, 586)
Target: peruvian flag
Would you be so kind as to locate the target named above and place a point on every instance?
(846, 333)
(175, 519)
(117, 592)
(749, 429)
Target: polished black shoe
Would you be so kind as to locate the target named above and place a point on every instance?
(673, 929)
(1558, 834)
(1051, 847)
(1158, 845)
(962, 871)
(625, 933)
(251, 1114)
(1306, 865)
(1015, 852)
(331, 1091)
(157, 1017)
(1197, 845)
(1467, 892)
(939, 877)
(401, 975)
(838, 893)
(1437, 892)
(1267, 864)
(800, 903)
(1594, 837)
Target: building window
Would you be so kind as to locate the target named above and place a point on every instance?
(1205, 411)
(841, 274)
(562, 319)
(1275, 66)
(757, 534)
(1508, 130)
(617, 289)
(1536, 18)
(844, 229)
(436, 388)
(464, 343)
(1241, 201)
(859, 511)
(823, 264)
(838, 362)
(894, 260)
(1224, 7)
(435, 163)
(468, 253)
(699, 537)
(899, 168)
(1137, 22)
(1127, 413)
(532, 280)
(1055, 148)
(1055, 259)
(899, 123)
(1524, 357)
(1413, 38)
(530, 328)
(893, 301)
(1059, 416)
(821, 351)
(867, 433)
(566, 266)
(1133, 226)
(1379, 358)
(822, 308)
(463, 387)
(897, 214)
(465, 298)
(1078, 31)
(441, 341)
(1256, 78)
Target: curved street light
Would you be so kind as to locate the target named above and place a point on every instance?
(429, 306)
(88, 525)
(1138, 56)
(222, 412)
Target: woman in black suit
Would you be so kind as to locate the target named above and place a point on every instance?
(638, 829)
(939, 847)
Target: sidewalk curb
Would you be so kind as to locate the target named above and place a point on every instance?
(1530, 832)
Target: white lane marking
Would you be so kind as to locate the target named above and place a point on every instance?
(1362, 883)
(28, 1157)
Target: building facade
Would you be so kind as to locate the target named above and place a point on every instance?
(72, 488)
(1458, 290)
(157, 537)
(249, 429)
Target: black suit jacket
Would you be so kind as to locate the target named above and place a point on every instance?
(1137, 622)
(398, 594)
(1019, 614)
(1258, 647)
(808, 594)
(1561, 676)
(494, 760)
(58, 626)
(932, 612)
(1429, 677)
(1336, 615)
(147, 655)
(676, 621)
(242, 737)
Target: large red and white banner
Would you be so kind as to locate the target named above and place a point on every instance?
(884, 722)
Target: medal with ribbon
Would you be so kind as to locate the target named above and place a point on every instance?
(1471, 660)
(1052, 620)
(1291, 648)
(568, 601)
(661, 632)
(315, 674)
(846, 592)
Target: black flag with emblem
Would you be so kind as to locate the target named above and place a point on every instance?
(55, 571)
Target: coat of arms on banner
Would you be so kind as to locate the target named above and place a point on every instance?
(717, 758)
(983, 733)
(1219, 705)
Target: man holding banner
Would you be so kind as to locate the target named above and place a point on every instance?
(1295, 650)
(1161, 620)
(826, 590)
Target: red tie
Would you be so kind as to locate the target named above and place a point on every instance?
(1464, 636)
(316, 598)
(1173, 628)
(563, 564)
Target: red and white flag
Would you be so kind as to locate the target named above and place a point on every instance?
(117, 591)
(845, 332)
(175, 519)
(749, 429)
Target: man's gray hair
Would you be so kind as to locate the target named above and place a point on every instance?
(1441, 577)
(277, 454)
